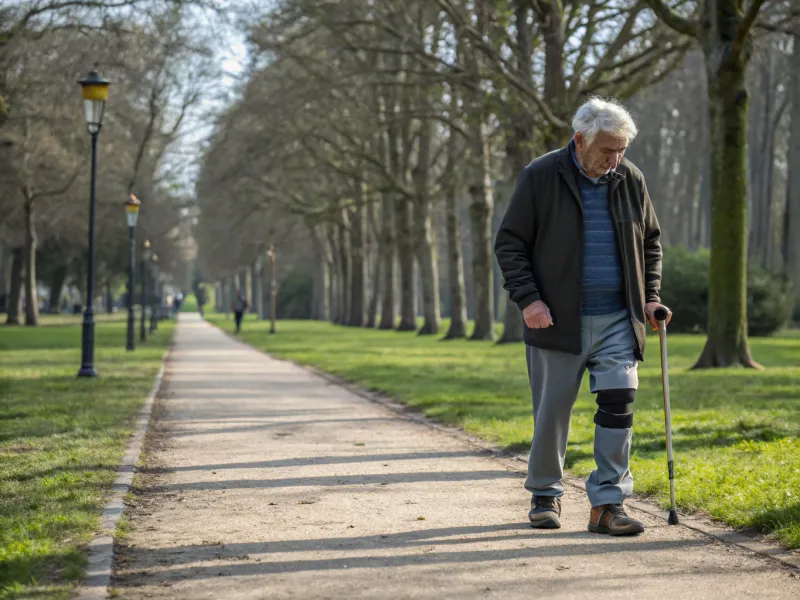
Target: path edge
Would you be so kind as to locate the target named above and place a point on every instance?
(96, 582)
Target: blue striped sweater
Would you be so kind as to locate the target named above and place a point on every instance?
(602, 285)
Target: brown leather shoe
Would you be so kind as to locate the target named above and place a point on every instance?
(611, 519)
(545, 512)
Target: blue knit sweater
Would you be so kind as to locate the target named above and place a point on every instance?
(602, 285)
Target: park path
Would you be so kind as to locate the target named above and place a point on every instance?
(263, 480)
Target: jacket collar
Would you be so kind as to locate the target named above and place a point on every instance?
(566, 164)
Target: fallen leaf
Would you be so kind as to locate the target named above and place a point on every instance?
(420, 518)
(359, 444)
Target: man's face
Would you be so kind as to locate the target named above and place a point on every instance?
(602, 155)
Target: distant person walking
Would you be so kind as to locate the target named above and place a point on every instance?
(178, 302)
(580, 255)
(238, 306)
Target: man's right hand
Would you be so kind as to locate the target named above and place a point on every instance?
(537, 315)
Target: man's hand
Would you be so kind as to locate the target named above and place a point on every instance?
(650, 312)
(537, 315)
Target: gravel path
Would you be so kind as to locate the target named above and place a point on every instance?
(265, 481)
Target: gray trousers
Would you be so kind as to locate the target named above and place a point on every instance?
(608, 345)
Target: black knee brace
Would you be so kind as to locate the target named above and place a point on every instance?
(614, 408)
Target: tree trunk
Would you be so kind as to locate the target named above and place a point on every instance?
(791, 222)
(727, 295)
(321, 302)
(761, 167)
(258, 293)
(408, 321)
(336, 273)
(387, 251)
(377, 264)
(425, 238)
(552, 19)
(31, 297)
(429, 271)
(15, 288)
(358, 237)
(455, 267)
(273, 289)
(480, 212)
(56, 288)
(344, 266)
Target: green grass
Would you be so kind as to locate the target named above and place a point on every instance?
(736, 432)
(60, 441)
(189, 304)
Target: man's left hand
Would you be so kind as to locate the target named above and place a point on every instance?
(650, 312)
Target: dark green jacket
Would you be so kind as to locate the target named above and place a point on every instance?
(539, 247)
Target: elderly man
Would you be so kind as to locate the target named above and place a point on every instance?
(580, 254)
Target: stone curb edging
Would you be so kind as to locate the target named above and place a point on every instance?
(97, 579)
(771, 550)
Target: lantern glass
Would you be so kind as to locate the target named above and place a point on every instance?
(95, 93)
(132, 210)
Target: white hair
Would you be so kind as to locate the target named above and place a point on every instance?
(604, 115)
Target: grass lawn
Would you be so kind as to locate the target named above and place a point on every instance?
(736, 432)
(60, 441)
(189, 304)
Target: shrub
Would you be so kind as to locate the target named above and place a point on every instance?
(685, 290)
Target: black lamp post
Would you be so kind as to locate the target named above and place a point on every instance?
(132, 215)
(145, 260)
(154, 295)
(95, 93)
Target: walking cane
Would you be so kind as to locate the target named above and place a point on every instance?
(661, 315)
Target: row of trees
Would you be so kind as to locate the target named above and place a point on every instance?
(159, 66)
(364, 124)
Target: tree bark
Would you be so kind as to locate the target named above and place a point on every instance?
(56, 288)
(31, 297)
(258, 293)
(455, 267)
(387, 250)
(344, 266)
(15, 288)
(727, 295)
(425, 241)
(551, 16)
(336, 274)
(321, 303)
(273, 289)
(358, 237)
(377, 264)
(791, 223)
(480, 212)
(408, 287)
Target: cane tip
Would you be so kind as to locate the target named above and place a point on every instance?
(673, 517)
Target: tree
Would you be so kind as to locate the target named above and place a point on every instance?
(723, 31)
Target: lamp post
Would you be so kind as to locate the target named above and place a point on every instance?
(132, 215)
(94, 90)
(145, 260)
(153, 322)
